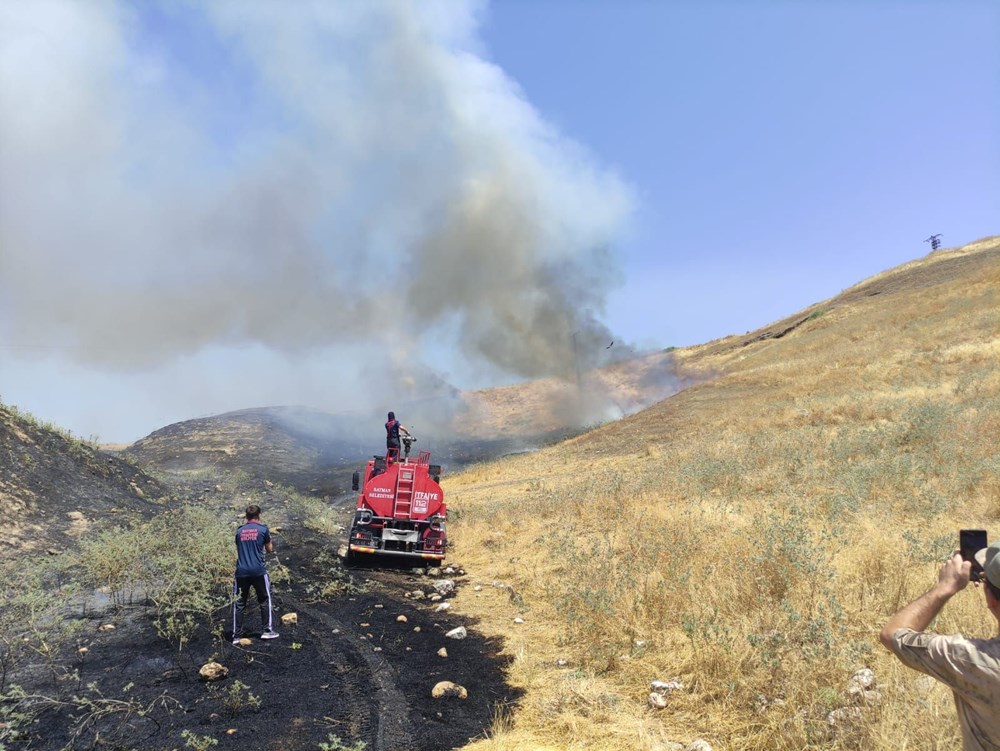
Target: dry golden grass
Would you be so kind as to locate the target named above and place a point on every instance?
(750, 535)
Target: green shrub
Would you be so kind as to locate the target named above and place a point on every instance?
(186, 575)
(335, 743)
(198, 742)
(236, 698)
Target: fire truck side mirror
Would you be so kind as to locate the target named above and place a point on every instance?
(356, 481)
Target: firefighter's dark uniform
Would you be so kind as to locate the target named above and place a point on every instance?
(251, 539)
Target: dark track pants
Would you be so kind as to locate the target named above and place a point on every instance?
(241, 594)
(394, 450)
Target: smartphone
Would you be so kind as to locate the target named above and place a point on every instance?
(970, 542)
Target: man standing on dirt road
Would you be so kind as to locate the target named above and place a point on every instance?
(252, 540)
(969, 667)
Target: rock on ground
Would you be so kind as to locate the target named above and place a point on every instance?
(444, 689)
(213, 671)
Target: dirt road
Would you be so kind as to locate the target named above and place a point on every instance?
(350, 668)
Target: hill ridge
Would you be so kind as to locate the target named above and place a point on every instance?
(52, 486)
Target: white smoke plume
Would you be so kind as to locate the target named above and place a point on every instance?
(312, 179)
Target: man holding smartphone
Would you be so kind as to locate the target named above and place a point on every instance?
(969, 667)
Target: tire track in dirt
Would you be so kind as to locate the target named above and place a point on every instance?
(377, 709)
(383, 651)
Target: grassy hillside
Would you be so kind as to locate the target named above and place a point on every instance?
(749, 535)
(296, 446)
(53, 486)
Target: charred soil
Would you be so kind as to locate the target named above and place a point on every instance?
(357, 667)
(350, 671)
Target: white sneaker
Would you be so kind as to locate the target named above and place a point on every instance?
(269, 634)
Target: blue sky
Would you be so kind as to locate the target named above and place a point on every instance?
(206, 207)
(780, 151)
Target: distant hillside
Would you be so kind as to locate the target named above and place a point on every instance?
(301, 447)
(311, 449)
(968, 262)
(551, 404)
(53, 487)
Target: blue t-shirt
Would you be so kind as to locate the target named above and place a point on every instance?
(250, 541)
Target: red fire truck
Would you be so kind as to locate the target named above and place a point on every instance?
(401, 509)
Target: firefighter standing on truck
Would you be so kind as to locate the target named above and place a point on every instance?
(393, 428)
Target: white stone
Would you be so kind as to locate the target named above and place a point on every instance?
(213, 671)
(862, 689)
(442, 607)
(862, 680)
(447, 688)
(844, 716)
(665, 687)
(457, 633)
(657, 701)
(444, 587)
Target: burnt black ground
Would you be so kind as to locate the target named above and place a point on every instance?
(347, 668)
